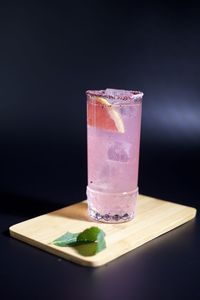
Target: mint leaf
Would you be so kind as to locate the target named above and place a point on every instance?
(89, 235)
(88, 242)
(93, 239)
(66, 239)
(88, 249)
(101, 244)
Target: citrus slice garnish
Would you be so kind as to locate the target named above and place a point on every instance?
(103, 115)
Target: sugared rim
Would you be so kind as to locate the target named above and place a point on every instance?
(132, 95)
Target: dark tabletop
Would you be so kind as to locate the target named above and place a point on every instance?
(50, 54)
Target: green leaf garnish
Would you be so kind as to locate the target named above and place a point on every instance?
(88, 242)
(66, 239)
(91, 234)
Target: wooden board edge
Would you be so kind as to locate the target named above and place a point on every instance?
(83, 201)
(54, 251)
(140, 196)
(95, 262)
(191, 216)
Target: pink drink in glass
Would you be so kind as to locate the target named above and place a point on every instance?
(113, 139)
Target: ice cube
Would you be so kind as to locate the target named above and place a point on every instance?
(119, 152)
(129, 111)
(118, 93)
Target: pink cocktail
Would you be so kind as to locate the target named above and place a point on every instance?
(113, 132)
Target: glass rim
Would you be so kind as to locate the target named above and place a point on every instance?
(136, 96)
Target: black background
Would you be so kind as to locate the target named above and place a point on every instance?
(50, 54)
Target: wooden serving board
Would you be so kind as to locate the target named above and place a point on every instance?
(153, 218)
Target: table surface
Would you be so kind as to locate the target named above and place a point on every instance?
(165, 268)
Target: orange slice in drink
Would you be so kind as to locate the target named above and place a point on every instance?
(102, 114)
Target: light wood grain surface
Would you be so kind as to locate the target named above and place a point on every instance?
(153, 218)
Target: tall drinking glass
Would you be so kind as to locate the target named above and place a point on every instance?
(113, 139)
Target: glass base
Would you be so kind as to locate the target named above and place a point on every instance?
(111, 207)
